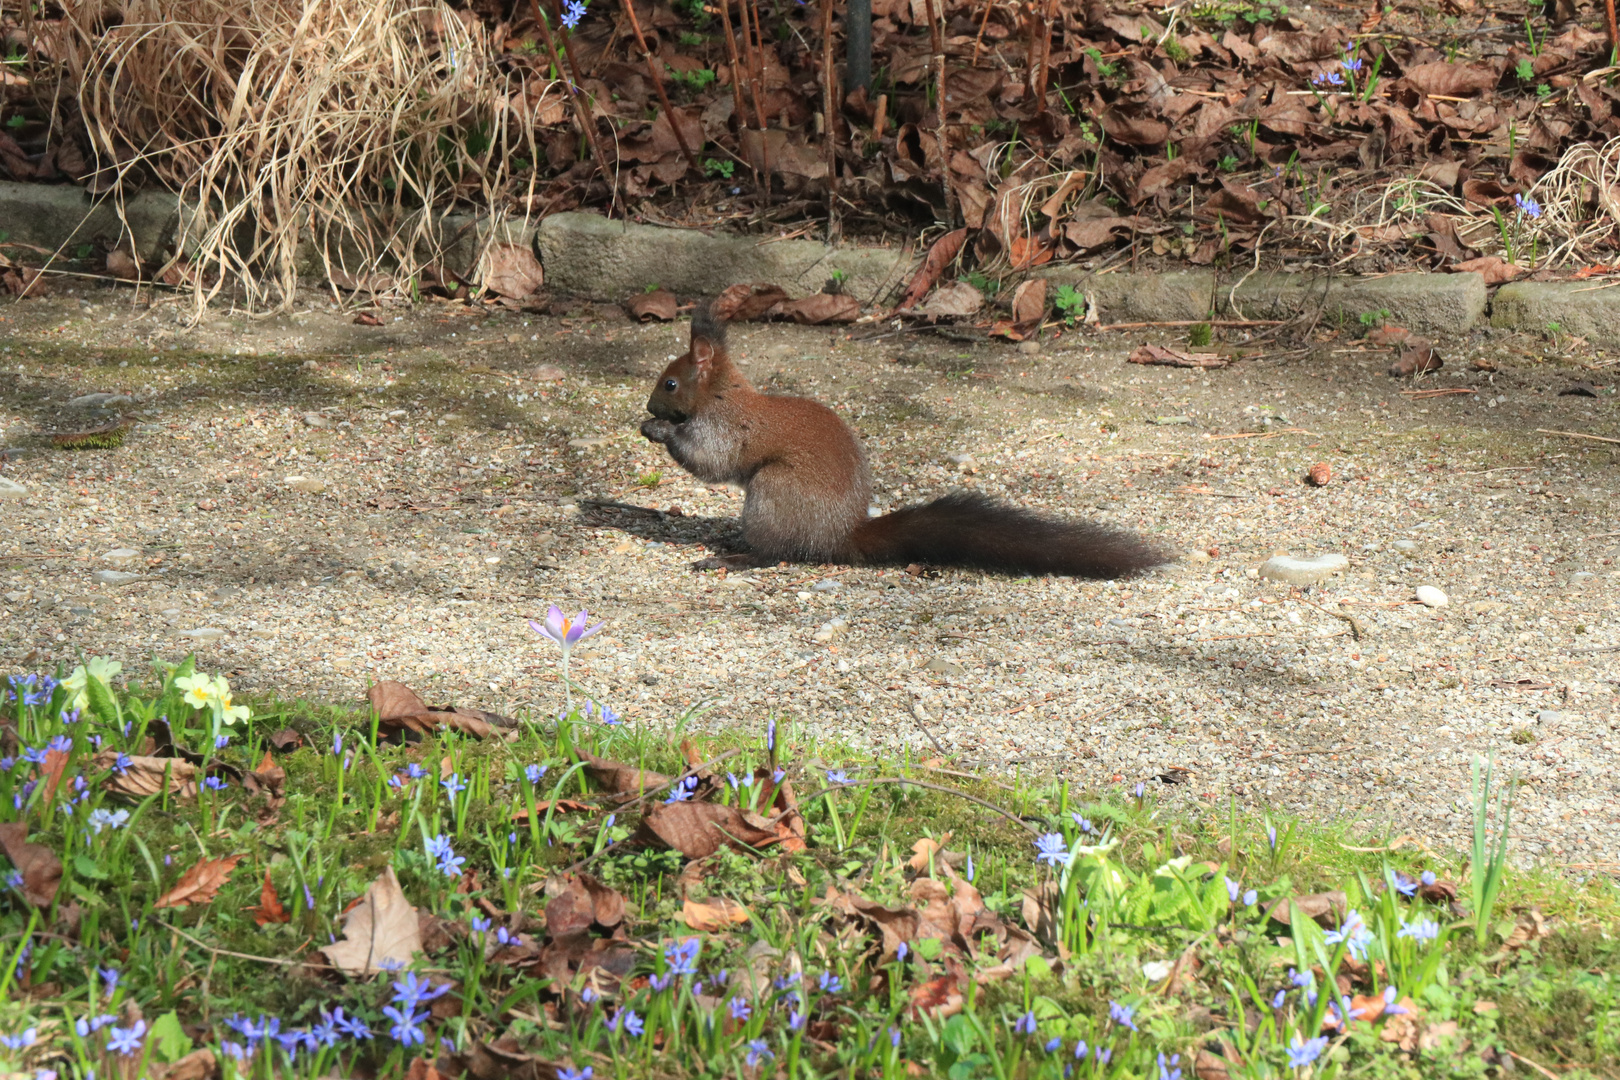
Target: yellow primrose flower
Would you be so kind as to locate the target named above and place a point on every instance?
(199, 690)
(101, 669)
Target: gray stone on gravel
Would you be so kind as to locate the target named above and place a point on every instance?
(115, 577)
(1431, 597)
(590, 442)
(588, 255)
(99, 401)
(1422, 303)
(307, 484)
(1295, 571)
(121, 556)
(1575, 306)
(203, 633)
(316, 420)
(10, 489)
(944, 667)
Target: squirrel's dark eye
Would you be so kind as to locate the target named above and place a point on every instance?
(671, 385)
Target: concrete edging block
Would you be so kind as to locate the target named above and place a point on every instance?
(1173, 296)
(1577, 307)
(54, 216)
(589, 255)
(1420, 302)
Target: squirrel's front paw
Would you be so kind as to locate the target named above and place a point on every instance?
(658, 431)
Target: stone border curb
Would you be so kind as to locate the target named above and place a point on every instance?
(587, 255)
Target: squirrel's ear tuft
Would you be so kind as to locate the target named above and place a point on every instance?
(703, 351)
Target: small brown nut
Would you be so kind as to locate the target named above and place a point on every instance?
(1319, 474)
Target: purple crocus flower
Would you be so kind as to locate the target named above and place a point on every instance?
(566, 631)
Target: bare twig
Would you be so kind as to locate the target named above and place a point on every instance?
(658, 84)
(278, 961)
(829, 109)
(571, 76)
(1577, 435)
(941, 132)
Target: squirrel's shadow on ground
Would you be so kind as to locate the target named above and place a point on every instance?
(720, 536)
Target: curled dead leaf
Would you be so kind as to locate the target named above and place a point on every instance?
(1325, 908)
(820, 308)
(656, 306)
(200, 884)
(620, 778)
(269, 909)
(940, 255)
(698, 830)
(40, 868)
(954, 299)
(740, 303)
(579, 903)
(713, 915)
(144, 776)
(512, 270)
(1418, 357)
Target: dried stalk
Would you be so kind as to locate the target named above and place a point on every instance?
(581, 111)
(1046, 58)
(737, 109)
(829, 108)
(658, 84)
(941, 135)
(754, 50)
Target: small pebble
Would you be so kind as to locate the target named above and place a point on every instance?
(121, 556)
(1295, 571)
(115, 577)
(964, 463)
(306, 483)
(1404, 545)
(99, 401)
(591, 442)
(1029, 348)
(827, 585)
(10, 489)
(944, 667)
(316, 420)
(830, 629)
(548, 373)
(203, 633)
(1429, 596)
(1549, 716)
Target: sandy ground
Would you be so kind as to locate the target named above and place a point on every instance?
(454, 464)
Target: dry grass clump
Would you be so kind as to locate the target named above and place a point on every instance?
(298, 132)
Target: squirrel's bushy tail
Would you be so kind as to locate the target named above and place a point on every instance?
(969, 530)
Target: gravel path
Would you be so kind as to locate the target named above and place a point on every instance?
(450, 460)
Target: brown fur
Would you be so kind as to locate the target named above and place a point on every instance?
(808, 484)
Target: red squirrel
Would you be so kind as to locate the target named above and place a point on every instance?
(808, 485)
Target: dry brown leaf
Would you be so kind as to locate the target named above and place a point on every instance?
(1209, 1066)
(1434, 1034)
(51, 771)
(421, 1069)
(40, 868)
(1530, 926)
(698, 830)
(398, 707)
(713, 915)
(121, 264)
(1157, 354)
(1029, 302)
(562, 806)
(819, 308)
(580, 902)
(940, 255)
(147, 775)
(200, 884)
(1418, 356)
(197, 1065)
(1325, 908)
(938, 998)
(286, 740)
(925, 851)
(381, 928)
(1492, 268)
(269, 909)
(953, 299)
(656, 306)
(1452, 80)
(740, 303)
(1402, 1029)
(620, 778)
(512, 271)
